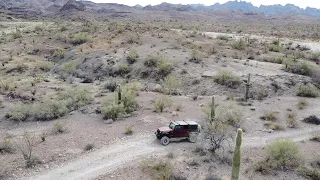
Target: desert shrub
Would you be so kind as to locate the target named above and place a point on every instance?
(227, 79)
(283, 153)
(307, 91)
(302, 104)
(297, 67)
(49, 110)
(123, 69)
(239, 45)
(6, 145)
(270, 116)
(316, 79)
(75, 98)
(19, 112)
(113, 111)
(313, 174)
(89, 147)
(196, 56)
(25, 146)
(158, 170)
(69, 68)
(111, 85)
(80, 38)
(259, 93)
(171, 85)
(161, 103)
(17, 34)
(63, 28)
(5, 85)
(315, 56)
(164, 68)
(59, 128)
(128, 100)
(274, 48)
(223, 37)
(152, 60)
(45, 66)
(38, 28)
(59, 53)
(316, 137)
(128, 130)
(292, 120)
(273, 125)
(133, 56)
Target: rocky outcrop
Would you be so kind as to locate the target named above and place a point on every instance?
(73, 5)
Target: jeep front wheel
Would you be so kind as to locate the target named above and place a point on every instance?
(193, 137)
(165, 140)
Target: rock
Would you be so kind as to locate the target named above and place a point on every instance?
(252, 108)
(207, 74)
(174, 113)
(73, 5)
(312, 120)
(108, 121)
(157, 88)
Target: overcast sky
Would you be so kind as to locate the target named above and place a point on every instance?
(301, 3)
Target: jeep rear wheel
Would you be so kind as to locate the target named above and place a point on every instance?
(193, 137)
(165, 140)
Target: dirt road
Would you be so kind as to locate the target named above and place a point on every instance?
(126, 152)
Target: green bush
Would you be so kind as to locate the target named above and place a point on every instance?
(38, 28)
(17, 34)
(275, 48)
(69, 68)
(133, 56)
(164, 68)
(128, 130)
(273, 125)
(19, 112)
(270, 116)
(302, 104)
(307, 91)
(171, 85)
(80, 38)
(6, 145)
(75, 98)
(113, 111)
(158, 170)
(315, 56)
(297, 67)
(239, 45)
(45, 66)
(152, 60)
(59, 128)
(223, 37)
(227, 79)
(123, 69)
(49, 110)
(196, 56)
(161, 103)
(292, 120)
(59, 53)
(283, 153)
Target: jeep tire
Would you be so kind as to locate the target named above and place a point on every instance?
(193, 137)
(165, 140)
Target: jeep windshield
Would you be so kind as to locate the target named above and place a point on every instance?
(171, 125)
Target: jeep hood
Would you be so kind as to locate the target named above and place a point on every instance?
(165, 129)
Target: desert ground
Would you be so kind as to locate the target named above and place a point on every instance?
(60, 117)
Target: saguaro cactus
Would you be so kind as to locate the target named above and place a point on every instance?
(237, 156)
(119, 93)
(248, 87)
(213, 113)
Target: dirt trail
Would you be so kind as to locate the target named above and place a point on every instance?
(124, 152)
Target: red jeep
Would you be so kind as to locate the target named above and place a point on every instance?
(178, 129)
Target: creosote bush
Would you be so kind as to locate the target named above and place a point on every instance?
(196, 56)
(50, 109)
(302, 104)
(133, 56)
(161, 103)
(281, 154)
(171, 85)
(128, 130)
(307, 91)
(227, 79)
(80, 38)
(292, 120)
(239, 45)
(6, 145)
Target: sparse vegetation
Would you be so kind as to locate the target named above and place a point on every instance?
(161, 103)
(227, 79)
(128, 130)
(171, 85)
(158, 170)
(307, 91)
(25, 146)
(239, 45)
(292, 120)
(80, 38)
(133, 56)
(6, 145)
(281, 154)
(302, 104)
(59, 128)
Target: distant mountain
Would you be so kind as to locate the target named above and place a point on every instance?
(246, 7)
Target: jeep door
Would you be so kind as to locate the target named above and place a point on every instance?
(178, 131)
